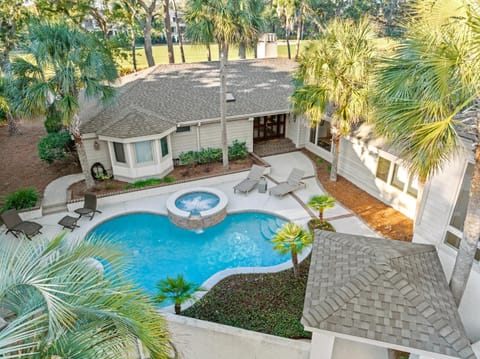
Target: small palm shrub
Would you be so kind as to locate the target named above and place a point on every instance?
(291, 238)
(21, 199)
(53, 122)
(54, 146)
(321, 203)
(177, 290)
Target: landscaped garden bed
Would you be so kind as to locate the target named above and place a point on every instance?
(270, 303)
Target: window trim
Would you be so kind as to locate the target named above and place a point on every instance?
(390, 177)
(124, 152)
(163, 155)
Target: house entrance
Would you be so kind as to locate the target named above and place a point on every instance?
(269, 127)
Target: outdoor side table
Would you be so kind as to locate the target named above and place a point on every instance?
(262, 185)
(69, 222)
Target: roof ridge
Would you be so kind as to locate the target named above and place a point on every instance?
(451, 336)
(344, 294)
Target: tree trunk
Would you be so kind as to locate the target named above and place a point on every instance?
(223, 102)
(209, 53)
(168, 31)
(82, 154)
(471, 234)
(295, 263)
(242, 50)
(147, 43)
(12, 125)
(299, 31)
(134, 54)
(320, 215)
(287, 37)
(419, 202)
(180, 38)
(178, 308)
(335, 151)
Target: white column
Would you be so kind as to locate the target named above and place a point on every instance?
(322, 346)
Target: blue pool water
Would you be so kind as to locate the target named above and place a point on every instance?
(159, 249)
(195, 202)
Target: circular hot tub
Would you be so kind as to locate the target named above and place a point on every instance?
(197, 208)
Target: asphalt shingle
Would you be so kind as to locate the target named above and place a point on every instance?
(190, 92)
(389, 291)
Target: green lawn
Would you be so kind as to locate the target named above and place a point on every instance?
(193, 53)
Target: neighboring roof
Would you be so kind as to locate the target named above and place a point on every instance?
(383, 290)
(190, 92)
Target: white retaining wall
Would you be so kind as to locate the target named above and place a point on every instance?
(198, 339)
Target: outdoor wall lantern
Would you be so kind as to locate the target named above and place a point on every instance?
(96, 145)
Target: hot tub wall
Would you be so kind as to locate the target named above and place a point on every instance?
(198, 222)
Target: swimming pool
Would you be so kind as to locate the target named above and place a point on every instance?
(160, 249)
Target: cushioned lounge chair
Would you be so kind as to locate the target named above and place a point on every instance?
(249, 183)
(293, 182)
(89, 207)
(17, 226)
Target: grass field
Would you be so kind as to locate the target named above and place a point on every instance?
(193, 53)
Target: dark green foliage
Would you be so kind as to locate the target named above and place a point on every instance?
(21, 199)
(188, 158)
(53, 123)
(270, 303)
(149, 182)
(209, 155)
(237, 151)
(54, 146)
(319, 224)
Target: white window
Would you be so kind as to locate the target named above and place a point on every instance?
(396, 176)
(143, 152)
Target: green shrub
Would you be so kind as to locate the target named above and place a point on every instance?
(143, 183)
(21, 199)
(237, 151)
(188, 158)
(53, 123)
(320, 160)
(54, 147)
(168, 179)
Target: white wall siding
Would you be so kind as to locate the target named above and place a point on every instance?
(101, 155)
(184, 141)
(358, 164)
(440, 196)
(210, 136)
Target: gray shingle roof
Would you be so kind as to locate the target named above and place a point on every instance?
(384, 290)
(190, 92)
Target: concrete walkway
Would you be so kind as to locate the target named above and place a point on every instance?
(55, 195)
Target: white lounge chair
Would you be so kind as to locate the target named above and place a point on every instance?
(249, 183)
(293, 182)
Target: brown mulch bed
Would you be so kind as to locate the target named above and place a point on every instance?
(179, 173)
(382, 218)
(20, 166)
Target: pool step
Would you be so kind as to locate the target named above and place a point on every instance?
(267, 233)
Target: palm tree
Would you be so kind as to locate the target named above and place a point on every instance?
(180, 36)
(291, 238)
(333, 79)
(423, 92)
(199, 28)
(7, 98)
(227, 22)
(286, 10)
(321, 203)
(63, 63)
(57, 301)
(125, 11)
(178, 290)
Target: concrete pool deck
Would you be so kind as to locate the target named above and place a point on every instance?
(153, 200)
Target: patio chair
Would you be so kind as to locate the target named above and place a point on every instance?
(293, 182)
(89, 206)
(249, 183)
(17, 226)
